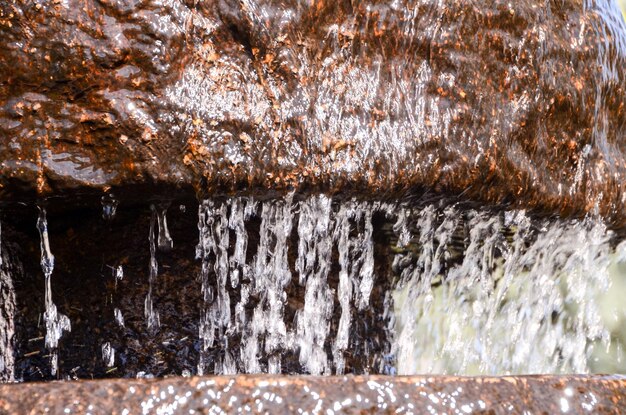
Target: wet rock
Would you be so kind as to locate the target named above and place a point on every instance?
(350, 395)
(516, 103)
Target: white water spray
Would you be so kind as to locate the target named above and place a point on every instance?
(520, 297)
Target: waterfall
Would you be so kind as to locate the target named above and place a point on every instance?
(475, 291)
(264, 278)
(311, 284)
(521, 296)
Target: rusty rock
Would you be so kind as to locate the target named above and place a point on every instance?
(520, 103)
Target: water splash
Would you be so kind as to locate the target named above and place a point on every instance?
(119, 317)
(513, 295)
(108, 354)
(56, 323)
(152, 315)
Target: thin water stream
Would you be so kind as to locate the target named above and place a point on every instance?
(56, 323)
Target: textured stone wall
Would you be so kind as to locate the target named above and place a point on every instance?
(508, 102)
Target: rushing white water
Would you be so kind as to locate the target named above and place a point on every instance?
(56, 323)
(475, 291)
(258, 323)
(521, 297)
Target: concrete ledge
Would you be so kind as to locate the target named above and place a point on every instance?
(323, 395)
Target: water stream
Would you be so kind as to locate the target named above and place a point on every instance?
(475, 291)
(502, 103)
(522, 297)
(317, 285)
(56, 323)
(152, 315)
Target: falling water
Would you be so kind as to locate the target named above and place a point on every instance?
(257, 335)
(119, 273)
(514, 295)
(324, 286)
(270, 276)
(476, 291)
(119, 317)
(152, 316)
(313, 265)
(164, 240)
(213, 242)
(356, 276)
(56, 322)
(1, 260)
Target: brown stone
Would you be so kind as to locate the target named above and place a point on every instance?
(346, 395)
(521, 103)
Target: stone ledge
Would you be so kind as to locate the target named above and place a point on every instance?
(300, 394)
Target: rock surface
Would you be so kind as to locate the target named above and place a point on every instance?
(511, 102)
(349, 395)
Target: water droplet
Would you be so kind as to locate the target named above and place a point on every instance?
(109, 206)
(119, 317)
(164, 240)
(119, 273)
(108, 354)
